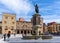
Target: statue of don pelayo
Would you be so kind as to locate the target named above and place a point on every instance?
(36, 8)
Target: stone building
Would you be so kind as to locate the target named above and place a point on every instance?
(21, 19)
(8, 23)
(52, 27)
(23, 27)
(0, 27)
(58, 27)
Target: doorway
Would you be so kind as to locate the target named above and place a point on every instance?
(17, 31)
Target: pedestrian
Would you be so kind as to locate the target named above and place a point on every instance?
(4, 37)
(8, 35)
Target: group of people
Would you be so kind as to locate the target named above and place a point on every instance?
(6, 35)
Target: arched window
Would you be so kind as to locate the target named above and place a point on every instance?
(17, 31)
(21, 32)
(39, 32)
(24, 31)
(28, 32)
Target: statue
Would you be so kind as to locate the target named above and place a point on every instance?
(36, 8)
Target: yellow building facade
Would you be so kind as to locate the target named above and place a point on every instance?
(58, 27)
(8, 23)
(52, 27)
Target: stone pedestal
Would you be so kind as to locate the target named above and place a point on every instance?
(38, 29)
(37, 22)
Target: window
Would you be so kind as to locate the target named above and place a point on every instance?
(28, 32)
(59, 27)
(12, 18)
(34, 31)
(6, 17)
(5, 22)
(17, 31)
(6, 28)
(12, 22)
(21, 32)
(28, 23)
(24, 31)
(12, 27)
(39, 32)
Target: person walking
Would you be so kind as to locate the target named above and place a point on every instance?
(4, 37)
(8, 35)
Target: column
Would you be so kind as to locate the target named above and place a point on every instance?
(20, 31)
(29, 31)
(23, 31)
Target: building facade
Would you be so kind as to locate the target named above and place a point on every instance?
(0, 27)
(26, 27)
(8, 23)
(52, 27)
(58, 27)
(23, 27)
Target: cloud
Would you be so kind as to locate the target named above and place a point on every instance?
(23, 8)
(51, 18)
(51, 12)
(20, 7)
(53, 8)
(2, 10)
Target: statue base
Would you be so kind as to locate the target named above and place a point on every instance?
(37, 29)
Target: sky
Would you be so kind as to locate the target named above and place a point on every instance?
(48, 9)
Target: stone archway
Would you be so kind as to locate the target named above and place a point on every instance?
(17, 31)
(21, 31)
(28, 32)
(39, 32)
(25, 32)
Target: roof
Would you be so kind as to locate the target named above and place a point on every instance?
(21, 19)
(52, 23)
(24, 21)
(8, 13)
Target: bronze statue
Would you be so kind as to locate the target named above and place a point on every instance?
(36, 8)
